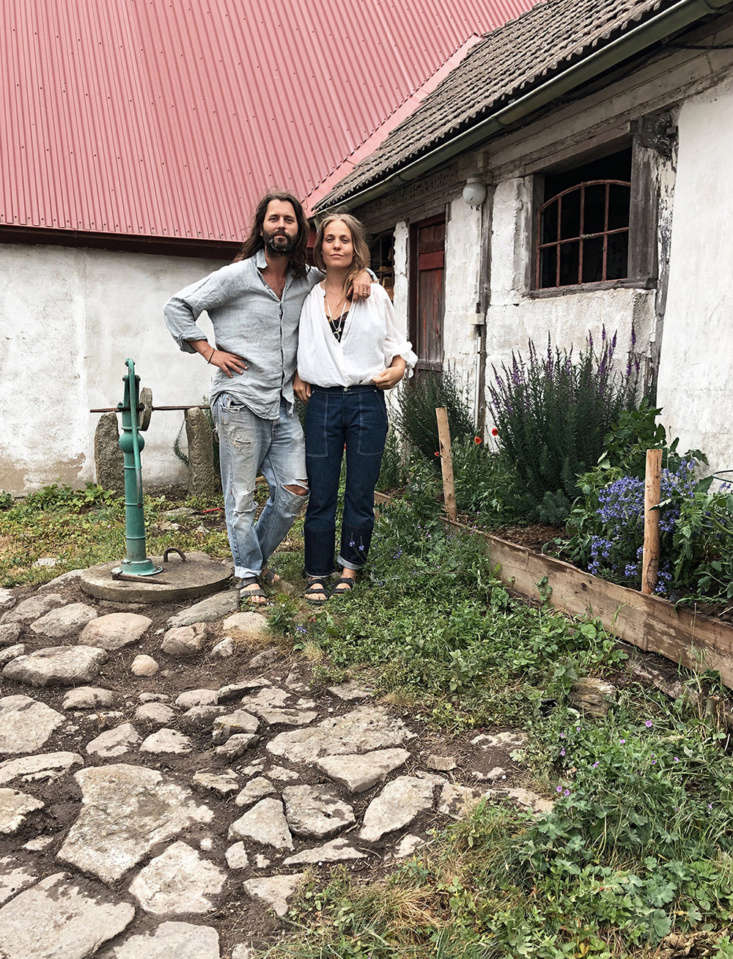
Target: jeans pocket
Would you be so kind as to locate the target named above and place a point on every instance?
(372, 423)
(237, 424)
(316, 419)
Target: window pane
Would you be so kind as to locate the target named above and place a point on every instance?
(570, 225)
(593, 260)
(569, 254)
(595, 209)
(548, 267)
(618, 207)
(618, 256)
(549, 223)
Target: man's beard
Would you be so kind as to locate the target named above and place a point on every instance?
(275, 245)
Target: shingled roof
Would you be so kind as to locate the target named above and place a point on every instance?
(511, 61)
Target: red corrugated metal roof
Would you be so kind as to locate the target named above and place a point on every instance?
(168, 118)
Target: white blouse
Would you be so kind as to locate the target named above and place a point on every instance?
(369, 342)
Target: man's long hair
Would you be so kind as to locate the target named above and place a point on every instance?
(255, 240)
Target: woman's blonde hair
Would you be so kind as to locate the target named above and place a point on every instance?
(358, 238)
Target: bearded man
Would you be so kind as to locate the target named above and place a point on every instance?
(254, 305)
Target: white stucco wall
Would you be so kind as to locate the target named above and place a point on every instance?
(696, 367)
(462, 265)
(69, 318)
(514, 317)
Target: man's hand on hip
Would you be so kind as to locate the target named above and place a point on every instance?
(229, 363)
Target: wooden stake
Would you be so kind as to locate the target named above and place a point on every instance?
(652, 495)
(446, 462)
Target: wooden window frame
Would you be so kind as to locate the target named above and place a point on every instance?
(581, 237)
(642, 271)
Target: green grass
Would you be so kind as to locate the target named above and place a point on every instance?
(638, 845)
(81, 528)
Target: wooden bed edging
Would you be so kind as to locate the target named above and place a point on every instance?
(653, 624)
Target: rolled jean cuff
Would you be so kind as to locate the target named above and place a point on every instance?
(347, 565)
(241, 572)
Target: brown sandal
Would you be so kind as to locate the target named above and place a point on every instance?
(348, 581)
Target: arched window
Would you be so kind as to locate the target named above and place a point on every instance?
(583, 234)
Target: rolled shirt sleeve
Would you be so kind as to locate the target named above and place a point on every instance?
(184, 308)
(395, 343)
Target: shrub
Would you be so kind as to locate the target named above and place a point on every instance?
(552, 413)
(414, 418)
(487, 483)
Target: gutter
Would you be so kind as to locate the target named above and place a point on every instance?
(681, 15)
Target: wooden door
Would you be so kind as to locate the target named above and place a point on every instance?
(427, 261)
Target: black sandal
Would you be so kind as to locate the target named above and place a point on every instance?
(347, 581)
(251, 592)
(318, 593)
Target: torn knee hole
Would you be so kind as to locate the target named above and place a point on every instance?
(297, 488)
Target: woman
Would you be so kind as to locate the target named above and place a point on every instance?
(349, 353)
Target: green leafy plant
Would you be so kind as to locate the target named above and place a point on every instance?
(392, 470)
(553, 411)
(417, 400)
(6, 500)
(487, 484)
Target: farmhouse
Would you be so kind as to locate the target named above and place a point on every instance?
(571, 174)
(137, 138)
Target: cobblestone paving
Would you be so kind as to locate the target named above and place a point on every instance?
(169, 778)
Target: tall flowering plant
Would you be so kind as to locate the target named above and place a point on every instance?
(553, 410)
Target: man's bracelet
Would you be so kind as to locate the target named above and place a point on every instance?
(213, 350)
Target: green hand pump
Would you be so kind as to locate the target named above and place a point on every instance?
(135, 417)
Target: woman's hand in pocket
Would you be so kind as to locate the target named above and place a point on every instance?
(301, 389)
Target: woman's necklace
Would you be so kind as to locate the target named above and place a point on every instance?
(336, 322)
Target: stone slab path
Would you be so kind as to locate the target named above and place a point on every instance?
(161, 799)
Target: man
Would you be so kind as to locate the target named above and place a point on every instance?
(254, 305)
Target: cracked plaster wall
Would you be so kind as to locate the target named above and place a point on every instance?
(69, 318)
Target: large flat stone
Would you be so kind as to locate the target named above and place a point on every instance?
(11, 652)
(88, 697)
(25, 724)
(7, 599)
(197, 697)
(114, 742)
(126, 811)
(359, 772)
(246, 627)
(364, 729)
(15, 807)
(67, 922)
(169, 940)
(337, 850)
(115, 630)
(178, 881)
(231, 724)
(30, 769)
(33, 608)
(396, 806)
(256, 789)
(182, 642)
(64, 621)
(169, 741)
(265, 823)
(316, 811)
(9, 633)
(214, 607)
(14, 878)
(223, 784)
(57, 666)
(274, 891)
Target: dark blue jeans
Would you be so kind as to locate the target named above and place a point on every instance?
(355, 417)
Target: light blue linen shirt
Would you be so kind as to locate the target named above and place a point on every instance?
(249, 320)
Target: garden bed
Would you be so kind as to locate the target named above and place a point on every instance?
(651, 623)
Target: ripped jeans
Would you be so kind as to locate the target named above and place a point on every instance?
(248, 446)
